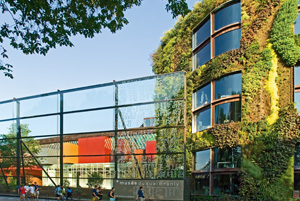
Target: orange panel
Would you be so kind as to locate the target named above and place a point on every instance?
(151, 149)
(70, 149)
(139, 157)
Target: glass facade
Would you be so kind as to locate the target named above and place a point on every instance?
(202, 184)
(297, 87)
(228, 112)
(203, 120)
(228, 86)
(202, 160)
(297, 25)
(228, 15)
(202, 96)
(227, 157)
(215, 30)
(226, 184)
(227, 41)
(131, 129)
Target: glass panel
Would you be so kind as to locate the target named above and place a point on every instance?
(297, 75)
(297, 155)
(8, 129)
(227, 157)
(203, 56)
(7, 110)
(228, 86)
(203, 120)
(202, 33)
(41, 105)
(165, 166)
(79, 186)
(93, 121)
(227, 41)
(297, 101)
(202, 161)
(89, 98)
(226, 184)
(164, 114)
(202, 96)
(228, 15)
(8, 150)
(202, 184)
(164, 87)
(297, 25)
(40, 126)
(297, 181)
(228, 112)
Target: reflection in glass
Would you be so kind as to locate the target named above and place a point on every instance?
(202, 160)
(203, 33)
(297, 25)
(297, 181)
(228, 86)
(226, 184)
(297, 155)
(203, 120)
(228, 112)
(89, 98)
(227, 157)
(228, 15)
(227, 41)
(202, 96)
(297, 75)
(202, 184)
(297, 101)
(7, 110)
(203, 56)
(40, 105)
(6, 127)
(42, 125)
(100, 120)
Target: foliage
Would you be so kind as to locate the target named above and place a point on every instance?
(94, 178)
(37, 26)
(282, 36)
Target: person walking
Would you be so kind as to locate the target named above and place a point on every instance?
(69, 193)
(22, 191)
(111, 194)
(26, 191)
(99, 193)
(32, 192)
(95, 194)
(58, 193)
(140, 195)
(37, 190)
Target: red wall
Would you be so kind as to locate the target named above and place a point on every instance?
(93, 146)
(151, 149)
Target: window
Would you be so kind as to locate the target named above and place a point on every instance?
(226, 184)
(225, 106)
(297, 87)
(221, 177)
(202, 160)
(227, 157)
(218, 33)
(297, 25)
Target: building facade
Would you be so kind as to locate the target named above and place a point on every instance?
(241, 59)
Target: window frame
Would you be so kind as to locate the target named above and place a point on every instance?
(214, 102)
(213, 33)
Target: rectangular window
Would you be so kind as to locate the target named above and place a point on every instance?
(202, 96)
(297, 75)
(202, 160)
(228, 86)
(227, 41)
(297, 101)
(202, 184)
(203, 56)
(297, 181)
(228, 15)
(297, 156)
(226, 184)
(228, 112)
(297, 25)
(202, 34)
(203, 120)
(227, 157)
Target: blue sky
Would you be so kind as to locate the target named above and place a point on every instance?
(102, 59)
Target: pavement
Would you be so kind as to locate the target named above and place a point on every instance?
(4, 198)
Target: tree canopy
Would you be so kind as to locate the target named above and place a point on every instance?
(39, 25)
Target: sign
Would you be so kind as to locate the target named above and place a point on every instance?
(153, 189)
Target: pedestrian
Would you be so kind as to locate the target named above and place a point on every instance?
(69, 193)
(63, 190)
(99, 193)
(140, 195)
(37, 190)
(26, 191)
(111, 194)
(22, 191)
(58, 193)
(32, 192)
(95, 194)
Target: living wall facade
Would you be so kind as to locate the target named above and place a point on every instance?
(241, 59)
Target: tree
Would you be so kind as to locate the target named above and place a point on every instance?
(94, 179)
(38, 25)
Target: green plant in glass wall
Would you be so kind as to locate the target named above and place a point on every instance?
(94, 179)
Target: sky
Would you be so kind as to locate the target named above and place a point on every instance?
(104, 58)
